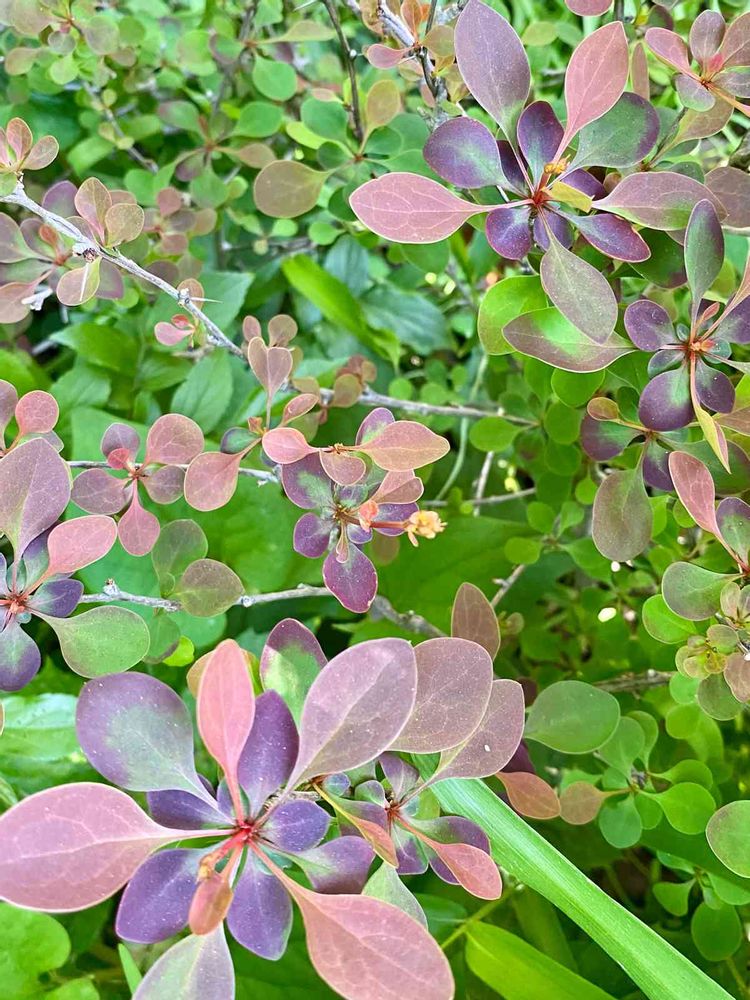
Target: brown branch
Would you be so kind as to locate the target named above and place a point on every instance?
(348, 55)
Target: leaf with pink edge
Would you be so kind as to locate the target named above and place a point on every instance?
(495, 740)
(173, 440)
(622, 516)
(473, 617)
(596, 77)
(211, 480)
(272, 366)
(196, 968)
(70, 847)
(693, 592)
(36, 413)
(34, 491)
(356, 707)
(464, 152)
(547, 335)
(409, 208)
(290, 662)
(659, 200)
(138, 528)
(405, 445)
(225, 710)
(493, 64)
(695, 488)
(472, 867)
(136, 731)
(79, 542)
(454, 680)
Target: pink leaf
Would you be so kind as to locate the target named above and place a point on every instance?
(530, 795)
(384, 57)
(343, 468)
(670, 48)
(285, 445)
(138, 528)
(473, 617)
(405, 445)
(454, 680)
(72, 846)
(366, 949)
(473, 867)
(495, 740)
(226, 709)
(589, 8)
(211, 480)
(356, 707)
(695, 488)
(80, 542)
(173, 440)
(410, 209)
(36, 413)
(272, 366)
(596, 77)
(196, 968)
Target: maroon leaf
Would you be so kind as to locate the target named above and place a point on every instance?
(473, 617)
(595, 78)
(495, 740)
(173, 440)
(695, 488)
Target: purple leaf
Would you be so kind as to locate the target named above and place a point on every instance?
(620, 138)
(649, 325)
(464, 152)
(72, 846)
(613, 236)
(454, 679)
(659, 200)
(173, 440)
(665, 402)
(20, 658)
(704, 251)
(356, 707)
(290, 662)
(580, 292)
(473, 617)
(340, 865)
(137, 733)
(184, 810)
(732, 187)
(409, 208)
(693, 94)
(669, 47)
(312, 535)
(98, 492)
(225, 711)
(508, 231)
(353, 582)
(494, 741)
(603, 439)
(493, 64)
(369, 819)
(156, 901)
(196, 968)
(58, 598)
(735, 48)
(546, 334)
(596, 77)
(706, 34)
(548, 224)
(512, 172)
(260, 917)
(375, 421)
(622, 516)
(713, 388)
(306, 484)
(539, 136)
(296, 826)
(120, 437)
(34, 491)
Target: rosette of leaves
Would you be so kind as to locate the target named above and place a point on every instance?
(723, 57)
(202, 587)
(211, 135)
(35, 259)
(172, 442)
(19, 153)
(35, 415)
(136, 731)
(685, 383)
(34, 492)
(173, 222)
(341, 518)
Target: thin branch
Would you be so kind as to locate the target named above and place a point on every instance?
(244, 33)
(407, 620)
(348, 55)
(506, 584)
(485, 501)
(636, 682)
(431, 16)
(484, 475)
(259, 474)
(370, 398)
(133, 152)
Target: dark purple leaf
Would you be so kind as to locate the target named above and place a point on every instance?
(464, 152)
(353, 582)
(620, 138)
(706, 34)
(34, 491)
(713, 388)
(296, 826)
(603, 439)
(340, 865)
(20, 658)
(508, 231)
(539, 136)
(156, 901)
(58, 598)
(649, 326)
(183, 810)
(613, 236)
(260, 917)
(306, 484)
(665, 402)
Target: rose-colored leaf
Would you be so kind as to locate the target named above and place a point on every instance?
(79, 285)
(123, 222)
(496, 738)
(409, 208)
(473, 617)
(271, 366)
(659, 200)
(92, 202)
(454, 680)
(580, 802)
(669, 47)
(405, 445)
(732, 187)
(211, 479)
(80, 542)
(472, 867)
(36, 413)
(226, 709)
(383, 56)
(286, 445)
(695, 488)
(72, 846)
(493, 63)
(196, 968)
(173, 440)
(42, 153)
(588, 8)
(530, 795)
(356, 707)
(98, 492)
(595, 78)
(34, 491)
(138, 528)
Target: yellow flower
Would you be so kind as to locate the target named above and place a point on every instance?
(423, 524)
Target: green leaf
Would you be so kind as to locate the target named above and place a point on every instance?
(504, 302)
(717, 931)
(657, 968)
(572, 717)
(663, 624)
(622, 518)
(192, 399)
(727, 835)
(518, 971)
(33, 943)
(687, 806)
(273, 78)
(104, 640)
